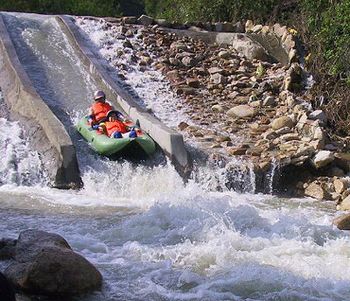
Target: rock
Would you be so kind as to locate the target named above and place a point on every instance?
(162, 22)
(217, 79)
(46, 265)
(322, 158)
(269, 101)
(112, 19)
(342, 160)
(345, 194)
(305, 151)
(330, 147)
(6, 291)
(7, 248)
(217, 108)
(249, 26)
(340, 185)
(127, 44)
(237, 151)
(249, 48)
(316, 191)
(257, 28)
(294, 77)
(241, 111)
(195, 28)
(280, 30)
(188, 61)
(182, 125)
(281, 122)
(145, 20)
(224, 54)
(233, 95)
(129, 20)
(173, 61)
(318, 115)
(30, 242)
(224, 27)
(173, 75)
(342, 222)
(254, 151)
(238, 27)
(345, 204)
(177, 45)
(193, 82)
(214, 70)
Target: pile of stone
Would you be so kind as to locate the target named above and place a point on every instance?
(255, 108)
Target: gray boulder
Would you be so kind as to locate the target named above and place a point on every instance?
(249, 48)
(46, 265)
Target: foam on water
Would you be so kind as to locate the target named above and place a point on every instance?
(19, 165)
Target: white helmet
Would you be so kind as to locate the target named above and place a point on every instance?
(99, 94)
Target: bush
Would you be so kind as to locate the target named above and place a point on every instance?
(76, 7)
(206, 10)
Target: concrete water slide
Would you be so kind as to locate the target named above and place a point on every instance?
(22, 98)
(169, 140)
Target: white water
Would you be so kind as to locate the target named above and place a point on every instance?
(155, 238)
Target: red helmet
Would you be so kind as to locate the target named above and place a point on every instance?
(99, 95)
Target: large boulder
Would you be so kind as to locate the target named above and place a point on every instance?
(46, 265)
(249, 48)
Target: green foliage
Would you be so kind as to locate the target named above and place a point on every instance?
(206, 10)
(329, 26)
(77, 7)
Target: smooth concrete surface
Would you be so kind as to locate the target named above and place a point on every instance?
(22, 98)
(169, 140)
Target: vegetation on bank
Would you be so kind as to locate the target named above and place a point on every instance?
(76, 7)
(323, 25)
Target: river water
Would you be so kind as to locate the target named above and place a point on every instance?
(152, 236)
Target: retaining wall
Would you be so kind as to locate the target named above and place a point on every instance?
(22, 98)
(169, 140)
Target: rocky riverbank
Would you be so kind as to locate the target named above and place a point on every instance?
(239, 101)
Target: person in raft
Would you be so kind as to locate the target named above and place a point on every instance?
(99, 109)
(113, 127)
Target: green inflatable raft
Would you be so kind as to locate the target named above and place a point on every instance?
(139, 147)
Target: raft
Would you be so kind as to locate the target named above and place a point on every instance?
(139, 146)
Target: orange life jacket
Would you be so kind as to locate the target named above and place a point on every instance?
(115, 126)
(100, 110)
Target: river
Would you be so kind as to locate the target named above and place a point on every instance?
(152, 236)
